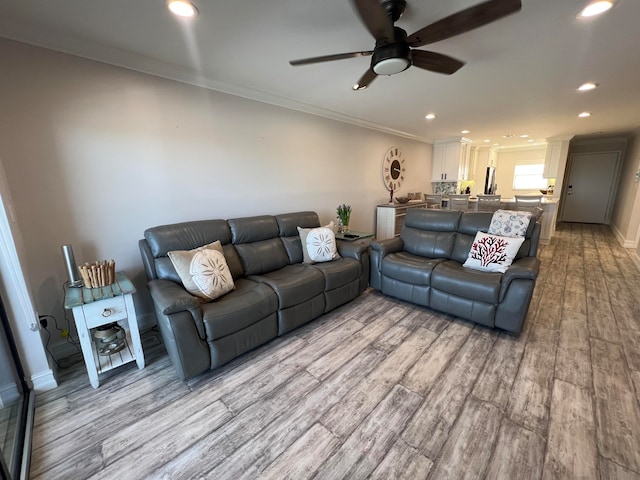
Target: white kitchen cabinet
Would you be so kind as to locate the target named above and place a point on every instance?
(552, 159)
(451, 160)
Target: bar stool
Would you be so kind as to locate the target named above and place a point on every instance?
(433, 200)
(528, 202)
(459, 202)
(489, 203)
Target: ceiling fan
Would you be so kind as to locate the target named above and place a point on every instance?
(395, 51)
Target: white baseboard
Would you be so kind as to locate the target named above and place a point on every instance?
(621, 239)
(43, 381)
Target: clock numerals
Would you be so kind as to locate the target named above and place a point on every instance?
(393, 169)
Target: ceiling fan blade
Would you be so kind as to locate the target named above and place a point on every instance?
(329, 58)
(365, 80)
(375, 18)
(435, 62)
(463, 21)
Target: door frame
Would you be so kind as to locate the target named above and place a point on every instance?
(614, 185)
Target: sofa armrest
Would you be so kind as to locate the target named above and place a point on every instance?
(169, 298)
(390, 245)
(352, 249)
(526, 268)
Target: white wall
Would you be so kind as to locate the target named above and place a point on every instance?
(96, 154)
(625, 219)
(506, 164)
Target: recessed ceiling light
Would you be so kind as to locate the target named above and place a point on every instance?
(430, 116)
(182, 8)
(496, 144)
(465, 132)
(531, 140)
(595, 8)
(584, 114)
(524, 136)
(486, 140)
(585, 87)
(508, 135)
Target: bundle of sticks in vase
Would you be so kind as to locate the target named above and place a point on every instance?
(98, 274)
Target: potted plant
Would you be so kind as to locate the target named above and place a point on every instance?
(344, 214)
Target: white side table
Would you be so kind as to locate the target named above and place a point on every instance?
(93, 307)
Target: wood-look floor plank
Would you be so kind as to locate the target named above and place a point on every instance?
(549, 309)
(618, 420)
(627, 316)
(573, 362)
(435, 359)
(519, 453)
(303, 458)
(367, 446)
(602, 322)
(572, 450)
(496, 380)
(612, 471)
(206, 451)
(256, 454)
(433, 421)
(631, 345)
(345, 351)
(402, 462)
(531, 392)
(344, 417)
(471, 441)
(271, 379)
(395, 335)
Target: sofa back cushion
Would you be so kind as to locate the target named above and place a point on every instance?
(430, 233)
(288, 224)
(258, 244)
(187, 236)
(471, 223)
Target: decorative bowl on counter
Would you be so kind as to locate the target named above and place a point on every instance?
(402, 199)
(544, 192)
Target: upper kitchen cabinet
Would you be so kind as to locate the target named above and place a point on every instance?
(552, 159)
(451, 160)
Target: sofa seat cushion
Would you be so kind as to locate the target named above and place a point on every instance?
(409, 268)
(249, 303)
(451, 277)
(340, 272)
(294, 284)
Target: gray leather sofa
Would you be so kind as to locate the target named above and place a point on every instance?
(424, 266)
(275, 291)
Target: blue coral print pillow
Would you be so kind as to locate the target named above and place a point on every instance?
(510, 223)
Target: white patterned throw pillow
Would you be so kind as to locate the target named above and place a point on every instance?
(318, 244)
(203, 271)
(509, 223)
(492, 253)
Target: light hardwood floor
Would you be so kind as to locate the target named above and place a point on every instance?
(382, 389)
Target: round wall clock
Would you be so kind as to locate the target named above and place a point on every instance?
(393, 169)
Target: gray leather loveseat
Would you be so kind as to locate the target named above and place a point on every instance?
(424, 265)
(275, 292)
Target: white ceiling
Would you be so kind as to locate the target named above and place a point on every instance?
(520, 78)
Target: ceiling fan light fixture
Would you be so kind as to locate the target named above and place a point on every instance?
(595, 8)
(357, 86)
(391, 66)
(585, 87)
(182, 8)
